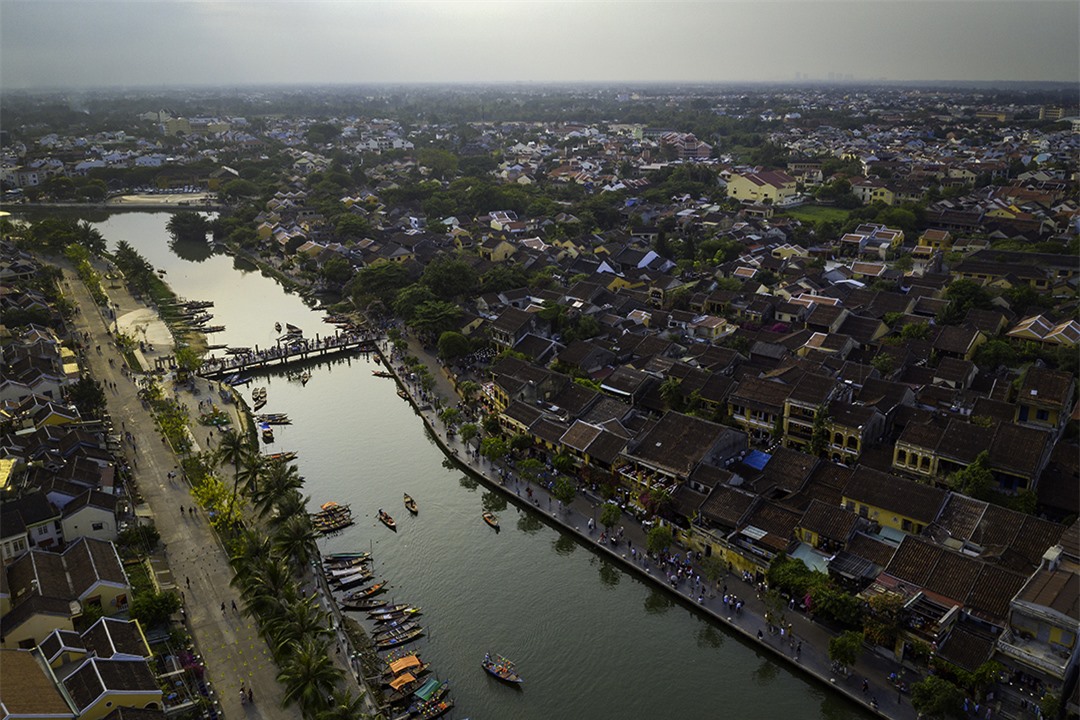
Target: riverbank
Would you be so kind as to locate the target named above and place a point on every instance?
(803, 649)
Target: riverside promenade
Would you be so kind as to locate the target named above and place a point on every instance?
(811, 638)
(191, 559)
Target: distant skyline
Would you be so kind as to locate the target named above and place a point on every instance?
(95, 43)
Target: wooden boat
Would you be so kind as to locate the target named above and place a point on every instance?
(391, 608)
(402, 394)
(259, 392)
(409, 662)
(429, 694)
(399, 639)
(345, 563)
(329, 525)
(403, 629)
(237, 351)
(437, 708)
(382, 374)
(304, 377)
(410, 504)
(393, 615)
(334, 573)
(293, 330)
(274, 419)
(267, 435)
(335, 556)
(259, 404)
(277, 327)
(490, 519)
(385, 519)
(356, 579)
(213, 329)
(368, 592)
(281, 456)
(369, 604)
(402, 687)
(501, 668)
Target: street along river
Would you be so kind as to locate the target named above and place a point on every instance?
(591, 641)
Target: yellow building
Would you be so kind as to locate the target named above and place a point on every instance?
(892, 502)
(937, 240)
(769, 186)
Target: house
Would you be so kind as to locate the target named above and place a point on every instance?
(769, 186)
(31, 690)
(39, 517)
(1045, 398)
(48, 590)
(757, 405)
(871, 190)
(675, 445)
(1040, 641)
(511, 325)
(892, 502)
(936, 239)
(90, 514)
(1039, 328)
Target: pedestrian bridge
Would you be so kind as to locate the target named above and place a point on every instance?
(284, 355)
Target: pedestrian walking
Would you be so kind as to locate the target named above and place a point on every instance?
(181, 510)
(865, 686)
(234, 605)
(222, 607)
(187, 581)
(251, 696)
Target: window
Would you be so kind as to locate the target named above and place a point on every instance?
(43, 530)
(1043, 415)
(98, 526)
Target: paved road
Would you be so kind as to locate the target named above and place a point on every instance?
(813, 657)
(229, 642)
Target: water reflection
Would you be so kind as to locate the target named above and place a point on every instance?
(466, 481)
(493, 501)
(709, 637)
(609, 574)
(529, 523)
(192, 250)
(766, 672)
(564, 545)
(658, 602)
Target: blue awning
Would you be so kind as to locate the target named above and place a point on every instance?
(757, 459)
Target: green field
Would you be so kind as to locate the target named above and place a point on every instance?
(817, 213)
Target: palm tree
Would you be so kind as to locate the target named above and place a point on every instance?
(279, 480)
(252, 468)
(233, 448)
(298, 620)
(343, 706)
(265, 587)
(309, 677)
(295, 540)
(293, 503)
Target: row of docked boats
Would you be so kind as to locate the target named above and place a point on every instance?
(331, 517)
(258, 397)
(410, 693)
(273, 419)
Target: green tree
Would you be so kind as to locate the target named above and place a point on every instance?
(671, 392)
(494, 448)
(610, 515)
(530, 469)
(659, 538)
(468, 431)
(88, 395)
(296, 539)
(453, 345)
(436, 317)
(309, 677)
(187, 226)
(819, 435)
(344, 706)
(845, 648)
(976, 480)
(936, 697)
(239, 188)
(154, 608)
(449, 278)
(564, 490)
(336, 270)
(994, 354)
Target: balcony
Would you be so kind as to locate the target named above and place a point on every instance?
(1035, 654)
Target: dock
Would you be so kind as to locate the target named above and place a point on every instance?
(283, 356)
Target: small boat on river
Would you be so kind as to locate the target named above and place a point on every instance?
(385, 519)
(369, 604)
(389, 617)
(355, 579)
(501, 668)
(410, 504)
(399, 639)
(391, 608)
(277, 327)
(490, 519)
(336, 556)
(396, 631)
(281, 456)
(382, 374)
(267, 434)
(345, 563)
(274, 419)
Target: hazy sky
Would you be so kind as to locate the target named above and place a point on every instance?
(46, 43)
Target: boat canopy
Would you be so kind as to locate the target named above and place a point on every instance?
(401, 681)
(428, 689)
(405, 663)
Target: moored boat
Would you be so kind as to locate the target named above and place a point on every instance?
(369, 604)
(267, 434)
(335, 556)
(347, 582)
(491, 519)
(382, 374)
(393, 616)
(399, 639)
(385, 519)
(410, 504)
(277, 327)
(403, 629)
(391, 608)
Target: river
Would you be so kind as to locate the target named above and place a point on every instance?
(591, 641)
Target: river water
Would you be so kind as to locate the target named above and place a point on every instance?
(591, 641)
